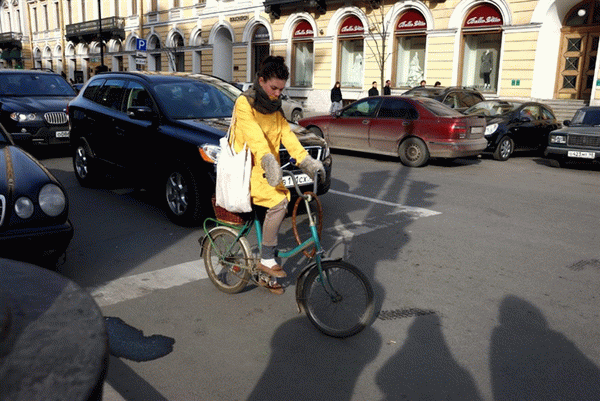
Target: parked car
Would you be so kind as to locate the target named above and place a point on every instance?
(457, 97)
(33, 106)
(515, 125)
(579, 139)
(292, 110)
(34, 222)
(163, 130)
(413, 128)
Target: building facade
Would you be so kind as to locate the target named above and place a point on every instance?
(540, 49)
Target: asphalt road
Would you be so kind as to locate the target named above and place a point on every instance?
(486, 273)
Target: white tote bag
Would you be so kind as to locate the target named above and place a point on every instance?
(233, 176)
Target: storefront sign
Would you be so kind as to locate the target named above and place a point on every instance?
(412, 19)
(352, 26)
(303, 30)
(483, 16)
(238, 18)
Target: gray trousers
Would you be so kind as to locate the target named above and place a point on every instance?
(273, 219)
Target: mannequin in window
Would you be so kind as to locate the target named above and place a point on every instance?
(415, 72)
(486, 68)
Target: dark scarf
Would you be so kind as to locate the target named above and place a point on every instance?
(260, 101)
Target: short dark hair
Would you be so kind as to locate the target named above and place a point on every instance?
(374, 82)
(274, 67)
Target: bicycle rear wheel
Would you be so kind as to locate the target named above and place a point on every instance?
(226, 260)
(342, 303)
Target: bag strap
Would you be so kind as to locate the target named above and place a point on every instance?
(231, 131)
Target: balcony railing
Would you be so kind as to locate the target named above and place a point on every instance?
(10, 40)
(112, 27)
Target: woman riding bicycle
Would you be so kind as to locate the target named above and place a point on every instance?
(259, 122)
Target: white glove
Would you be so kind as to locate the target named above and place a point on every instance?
(272, 169)
(311, 166)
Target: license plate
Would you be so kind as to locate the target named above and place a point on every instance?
(581, 155)
(477, 130)
(300, 178)
(62, 134)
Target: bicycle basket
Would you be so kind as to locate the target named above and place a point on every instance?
(225, 215)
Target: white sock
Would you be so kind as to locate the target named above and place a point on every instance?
(268, 262)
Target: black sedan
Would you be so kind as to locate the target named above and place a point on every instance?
(34, 223)
(515, 125)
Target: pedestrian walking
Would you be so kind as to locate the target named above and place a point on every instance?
(387, 89)
(336, 98)
(373, 91)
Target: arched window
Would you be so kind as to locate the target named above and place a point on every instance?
(178, 53)
(351, 52)
(409, 34)
(302, 54)
(260, 47)
(154, 53)
(482, 37)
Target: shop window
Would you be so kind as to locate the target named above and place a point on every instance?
(302, 54)
(351, 56)
(410, 49)
(481, 51)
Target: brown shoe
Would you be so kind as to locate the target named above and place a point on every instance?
(275, 288)
(275, 271)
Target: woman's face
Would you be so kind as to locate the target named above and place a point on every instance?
(272, 86)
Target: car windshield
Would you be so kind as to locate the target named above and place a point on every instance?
(492, 108)
(192, 99)
(34, 85)
(590, 117)
(439, 109)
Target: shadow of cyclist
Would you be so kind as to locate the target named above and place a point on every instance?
(307, 365)
(424, 368)
(529, 361)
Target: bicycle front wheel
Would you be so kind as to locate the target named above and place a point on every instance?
(226, 259)
(341, 303)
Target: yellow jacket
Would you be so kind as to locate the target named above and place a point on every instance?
(264, 133)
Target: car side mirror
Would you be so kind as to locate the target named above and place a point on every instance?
(526, 119)
(566, 123)
(338, 113)
(141, 113)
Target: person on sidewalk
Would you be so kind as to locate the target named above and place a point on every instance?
(259, 122)
(373, 91)
(387, 89)
(336, 98)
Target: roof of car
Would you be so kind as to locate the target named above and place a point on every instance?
(37, 72)
(159, 75)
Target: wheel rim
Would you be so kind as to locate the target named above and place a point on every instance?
(230, 271)
(81, 162)
(413, 153)
(505, 149)
(177, 194)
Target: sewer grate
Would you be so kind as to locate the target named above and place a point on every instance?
(402, 313)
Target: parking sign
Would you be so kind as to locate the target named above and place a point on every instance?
(141, 45)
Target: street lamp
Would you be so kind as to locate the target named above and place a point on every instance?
(100, 33)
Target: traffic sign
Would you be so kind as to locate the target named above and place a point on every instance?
(140, 54)
(141, 45)
(140, 61)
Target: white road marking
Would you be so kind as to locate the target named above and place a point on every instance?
(414, 211)
(131, 287)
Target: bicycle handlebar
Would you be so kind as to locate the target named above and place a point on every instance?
(298, 191)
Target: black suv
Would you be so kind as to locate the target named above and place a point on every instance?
(457, 97)
(164, 130)
(33, 106)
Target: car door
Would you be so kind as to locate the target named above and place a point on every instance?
(110, 98)
(136, 136)
(548, 123)
(528, 129)
(350, 129)
(395, 119)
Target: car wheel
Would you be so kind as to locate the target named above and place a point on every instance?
(413, 152)
(182, 196)
(296, 115)
(504, 149)
(556, 163)
(85, 166)
(316, 131)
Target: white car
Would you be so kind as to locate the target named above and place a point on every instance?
(292, 110)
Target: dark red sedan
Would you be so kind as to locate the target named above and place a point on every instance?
(414, 128)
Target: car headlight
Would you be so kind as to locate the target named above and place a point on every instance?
(24, 207)
(20, 117)
(490, 129)
(52, 200)
(558, 139)
(210, 153)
